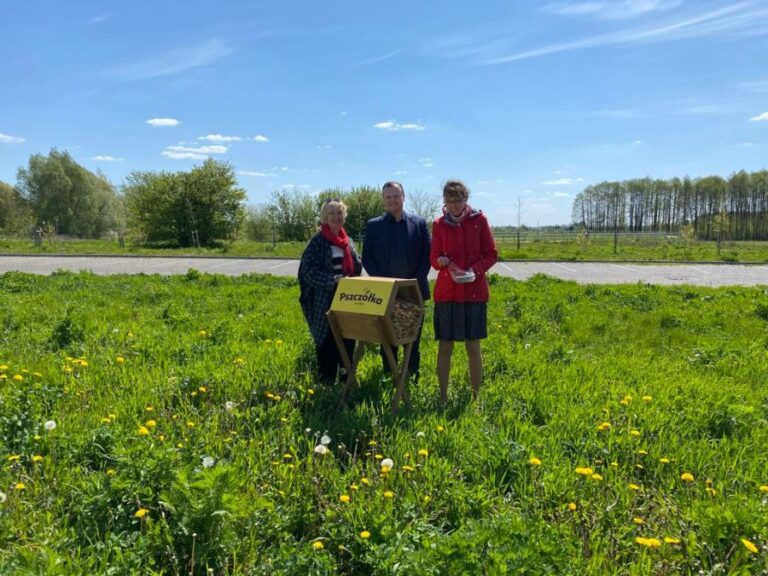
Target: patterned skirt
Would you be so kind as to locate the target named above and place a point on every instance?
(456, 321)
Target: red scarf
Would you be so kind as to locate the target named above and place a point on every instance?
(342, 241)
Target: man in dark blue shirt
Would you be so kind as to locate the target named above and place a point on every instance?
(396, 245)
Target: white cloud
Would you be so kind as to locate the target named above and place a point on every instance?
(392, 126)
(260, 138)
(173, 62)
(324, 147)
(8, 139)
(192, 153)
(744, 145)
(760, 117)
(256, 174)
(219, 138)
(377, 59)
(161, 122)
(106, 159)
(561, 194)
(401, 172)
(562, 181)
(100, 18)
(611, 9)
(741, 18)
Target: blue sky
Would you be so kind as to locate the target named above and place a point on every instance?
(521, 99)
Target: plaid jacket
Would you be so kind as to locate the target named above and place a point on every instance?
(317, 285)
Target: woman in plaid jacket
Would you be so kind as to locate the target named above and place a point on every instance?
(329, 256)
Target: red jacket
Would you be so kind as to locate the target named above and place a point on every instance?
(469, 244)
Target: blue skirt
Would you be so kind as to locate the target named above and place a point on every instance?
(457, 321)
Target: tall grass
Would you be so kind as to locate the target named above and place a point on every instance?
(188, 427)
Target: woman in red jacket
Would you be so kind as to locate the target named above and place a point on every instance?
(463, 250)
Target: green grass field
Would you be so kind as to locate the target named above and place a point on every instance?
(571, 248)
(172, 425)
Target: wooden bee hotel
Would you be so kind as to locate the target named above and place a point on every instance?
(386, 311)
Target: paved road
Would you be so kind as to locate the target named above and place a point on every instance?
(582, 272)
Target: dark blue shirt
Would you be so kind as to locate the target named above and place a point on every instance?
(397, 236)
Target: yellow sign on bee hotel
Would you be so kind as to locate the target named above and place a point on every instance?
(363, 295)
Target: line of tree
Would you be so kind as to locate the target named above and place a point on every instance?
(711, 207)
(200, 207)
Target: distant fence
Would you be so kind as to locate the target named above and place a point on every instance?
(546, 235)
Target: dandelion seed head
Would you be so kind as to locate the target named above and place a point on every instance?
(208, 461)
(387, 463)
(50, 425)
(325, 440)
(321, 450)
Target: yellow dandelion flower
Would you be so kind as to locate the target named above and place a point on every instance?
(597, 477)
(120, 360)
(389, 494)
(634, 487)
(634, 433)
(407, 468)
(749, 546)
(637, 520)
(150, 423)
(427, 498)
(423, 452)
(310, 392)
(143, 431)
(647, 398)
(624, 403)
(648, 542)
(67, 370)
(18, 377)
(671, 540)
(604, 426)
(190, 424)
(14, 458)
(111, 472)
(642, 452)
(317, 545)
(711, 491)
(276, 397)
(106, 420)
(365, 535)
(84, 363)
(664, 460)
(440, 428)
(584, 471)
(4, 368)
(202, 333)
(354, 487)
(385, 469)
(148, 408)
(365, 481)
(141, 512)
(270, 395)
(614, 464)
(572, 506)
(20, 486)
(764, 488)
(686, 477)
(344, 498)
(372, 443)
(37, 458)
(534, 461)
